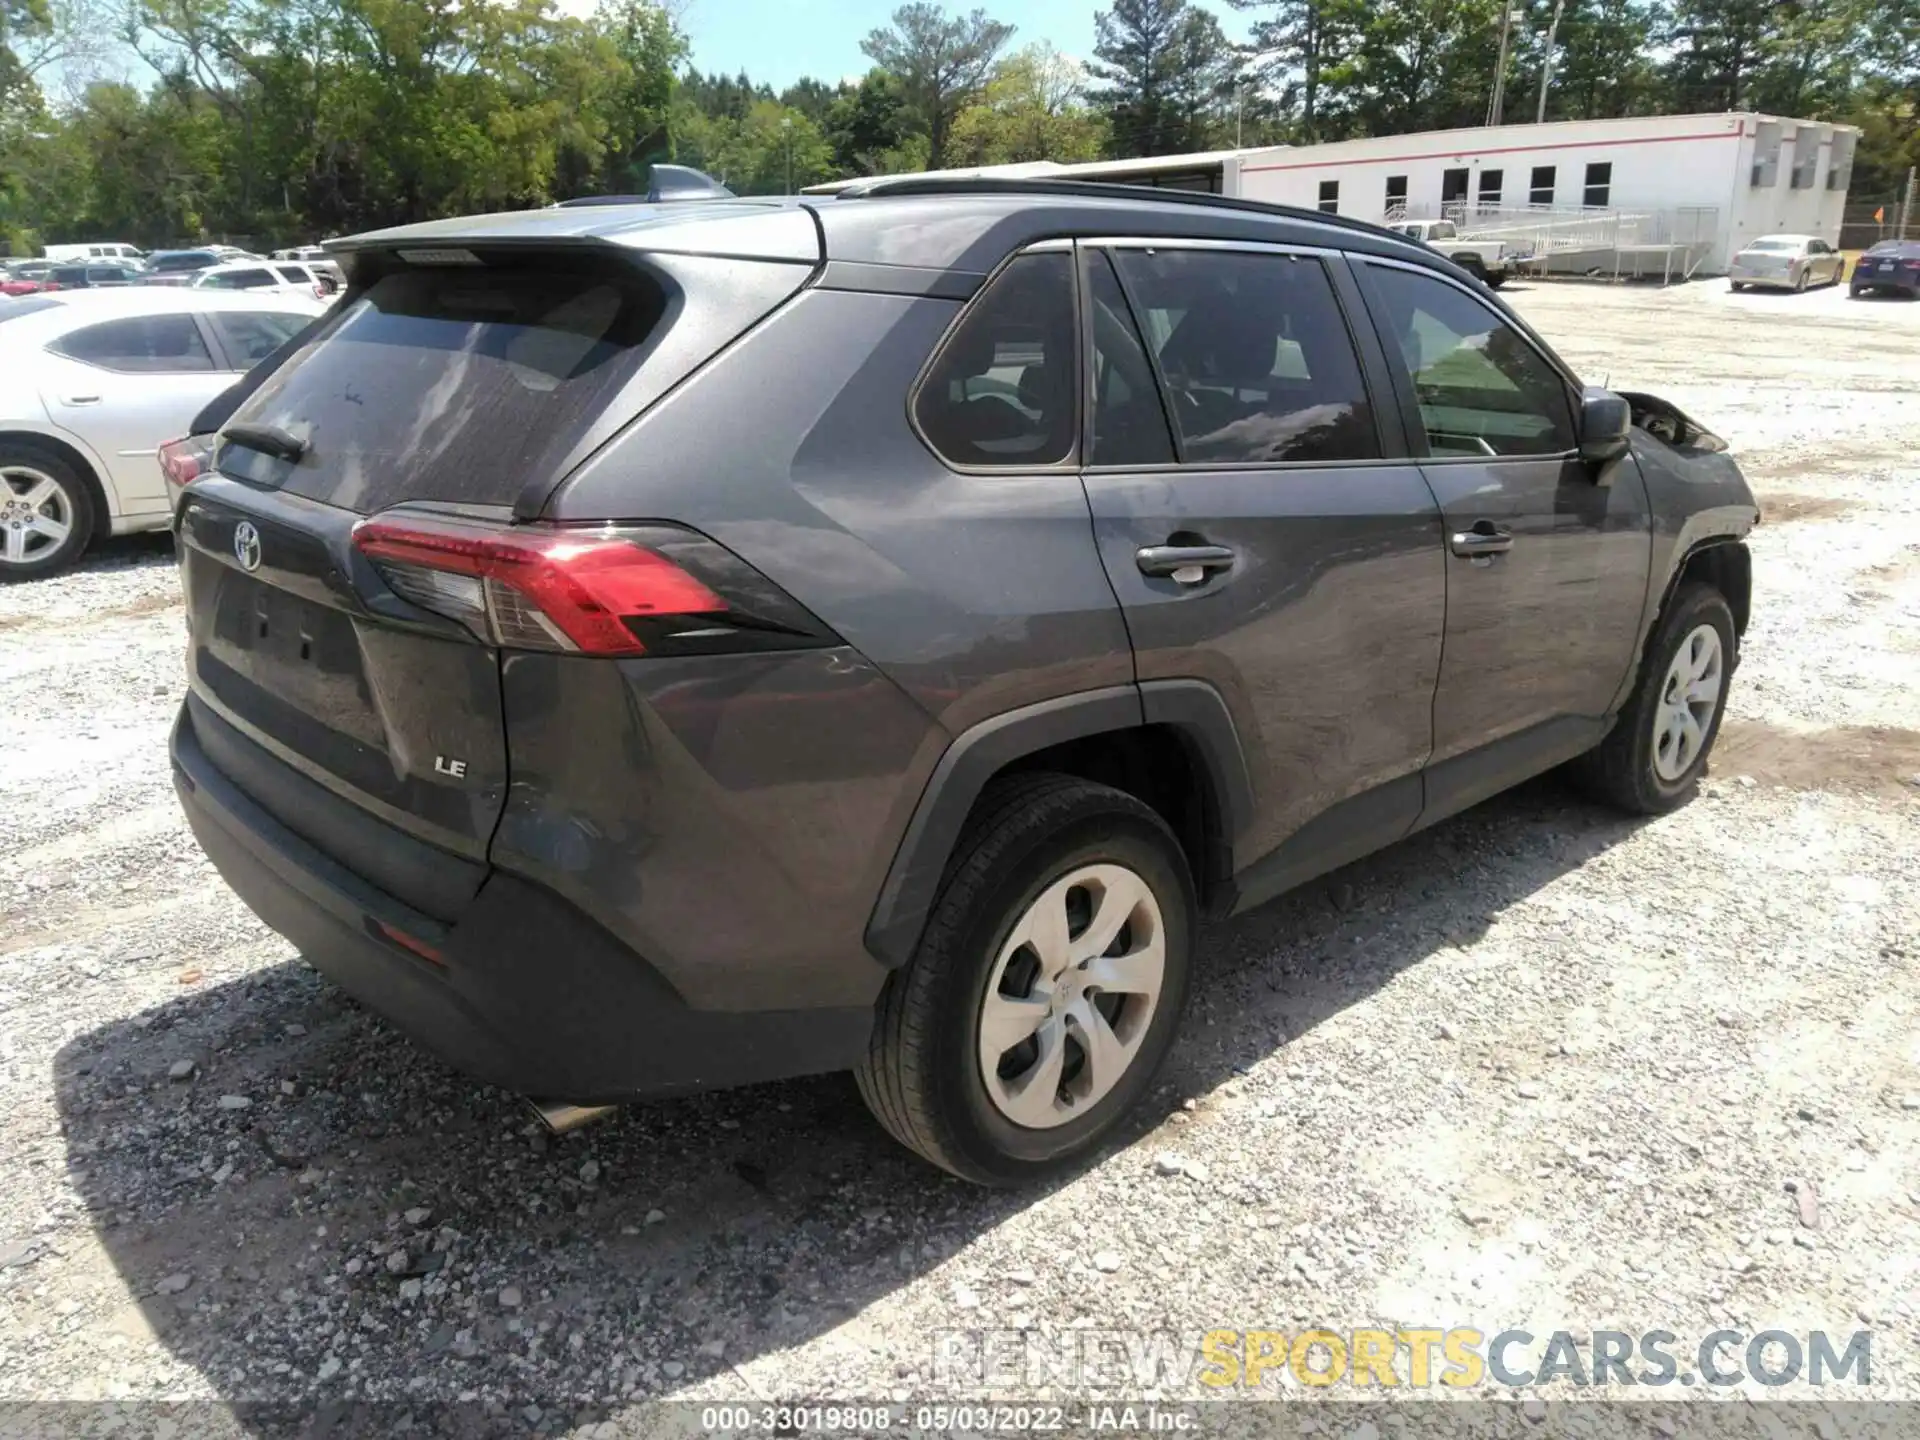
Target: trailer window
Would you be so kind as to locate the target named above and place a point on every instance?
(1541, 190)
(1599, 184)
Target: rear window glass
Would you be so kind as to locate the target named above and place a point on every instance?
(457, 384)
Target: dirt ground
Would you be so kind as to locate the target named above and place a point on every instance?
(1539, 1068)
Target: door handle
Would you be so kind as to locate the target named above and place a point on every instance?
(1485, 538)
(1186, 564)
(79, 399)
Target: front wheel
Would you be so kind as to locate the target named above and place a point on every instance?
(1656, 753)
(1046, 989)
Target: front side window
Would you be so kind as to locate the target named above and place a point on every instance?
(1000, 392)
(1483, 390)
(146, 344)
(250, 336)
(1258, 364)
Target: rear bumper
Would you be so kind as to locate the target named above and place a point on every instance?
(532, 996)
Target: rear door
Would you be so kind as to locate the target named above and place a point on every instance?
(126, 386)
(443, 390)
(1548, 557)
(1265, 534)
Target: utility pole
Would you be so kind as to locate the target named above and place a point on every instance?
(786, 131)
(1906, 205)
(1546, 62)
(1497, 108)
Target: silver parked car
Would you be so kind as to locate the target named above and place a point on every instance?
(92, 383)
(1787, 262)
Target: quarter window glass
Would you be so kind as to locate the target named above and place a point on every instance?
(1483, 390)
(1258, 363)
(1129, 425)
(293, 274)
(148, 344)
(1001, 390)
(251, 336)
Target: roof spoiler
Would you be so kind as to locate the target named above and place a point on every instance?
(664, 183)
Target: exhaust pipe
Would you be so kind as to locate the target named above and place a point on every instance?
(560, 1117)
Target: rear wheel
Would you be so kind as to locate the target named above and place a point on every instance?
(1658, 750)
(1046, 989)
(46, 514)
(1736, 286)
(1800, 284)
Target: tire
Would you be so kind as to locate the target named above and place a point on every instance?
(1800, 285)
(39, 490)
(924, 1076)
(1632, 768)
(1735, 286)
(1473, 265)
(1494, 282)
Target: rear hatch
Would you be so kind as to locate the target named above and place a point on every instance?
(348, 693)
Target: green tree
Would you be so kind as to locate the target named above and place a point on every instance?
(869, 128)
(1031, 110)
(1166, 74)
(941, 61)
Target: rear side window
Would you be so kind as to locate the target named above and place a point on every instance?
(1000, 391)
(146, 344)
(1483, 390)
(454, 383)
(250, 336)
(1129, 424)
(68, 275)
(240, 280)
(293, 274)
(1258, 363)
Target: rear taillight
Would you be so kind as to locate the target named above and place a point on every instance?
(652, 589)
(186, 460)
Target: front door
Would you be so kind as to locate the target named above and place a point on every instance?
(1261, 540)
(1547, 556)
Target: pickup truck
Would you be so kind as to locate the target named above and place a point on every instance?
(1488, 260)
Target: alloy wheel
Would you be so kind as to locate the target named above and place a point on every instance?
(36, 514)
(1071, 996)
(1688, 698)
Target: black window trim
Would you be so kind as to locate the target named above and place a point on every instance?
(1382, 398)
(1409, 402)
(1070, 464)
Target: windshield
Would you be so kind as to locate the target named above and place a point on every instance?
(1781, 246)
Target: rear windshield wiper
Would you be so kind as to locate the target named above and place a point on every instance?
(268, 439)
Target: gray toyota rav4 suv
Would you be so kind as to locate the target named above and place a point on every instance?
(649, 647)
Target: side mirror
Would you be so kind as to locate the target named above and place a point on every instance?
(1606, 419)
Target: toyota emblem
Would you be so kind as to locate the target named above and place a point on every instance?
(246, 545)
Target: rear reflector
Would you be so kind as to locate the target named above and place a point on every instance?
(654, 589)
(407, 942)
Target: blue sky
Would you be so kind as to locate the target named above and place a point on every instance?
(780, 40)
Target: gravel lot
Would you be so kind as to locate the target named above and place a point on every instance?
(1539, 1067)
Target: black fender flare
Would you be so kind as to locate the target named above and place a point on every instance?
(1192, 708)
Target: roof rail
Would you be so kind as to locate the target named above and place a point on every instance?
(889, 186)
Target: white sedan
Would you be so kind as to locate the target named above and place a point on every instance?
(92, 383)
(1786, 262)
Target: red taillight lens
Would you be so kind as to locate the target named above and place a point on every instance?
(597, 592)
(186, 460)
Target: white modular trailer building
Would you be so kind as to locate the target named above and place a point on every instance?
(1702, 184)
